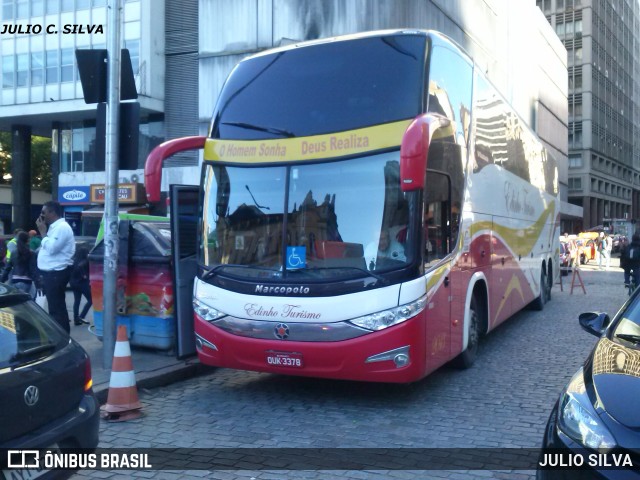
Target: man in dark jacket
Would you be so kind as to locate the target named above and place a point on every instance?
(630, 260)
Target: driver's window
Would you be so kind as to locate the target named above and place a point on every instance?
(437, 217)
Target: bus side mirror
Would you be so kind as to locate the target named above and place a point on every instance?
(414, 150)
(153, 165)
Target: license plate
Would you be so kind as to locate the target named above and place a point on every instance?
(24, 473)
(284, 359)
(27, 464)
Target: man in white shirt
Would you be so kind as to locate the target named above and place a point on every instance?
(55, 259)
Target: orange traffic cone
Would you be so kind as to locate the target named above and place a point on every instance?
(122, 401)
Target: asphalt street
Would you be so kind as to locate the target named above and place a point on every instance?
(503, 401)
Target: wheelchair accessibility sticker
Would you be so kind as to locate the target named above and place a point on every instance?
(296, 257)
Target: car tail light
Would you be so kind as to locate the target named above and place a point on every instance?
(88, 381)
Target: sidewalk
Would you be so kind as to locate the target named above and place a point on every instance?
(153, 368)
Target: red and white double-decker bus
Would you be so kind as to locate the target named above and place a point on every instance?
(370, 205)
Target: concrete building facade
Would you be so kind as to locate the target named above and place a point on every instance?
(602, 42)
(186, 49)
(42, 94)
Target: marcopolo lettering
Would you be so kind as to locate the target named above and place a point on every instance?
(283, 290)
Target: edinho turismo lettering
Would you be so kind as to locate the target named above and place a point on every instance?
(516, 200)
(287, 311)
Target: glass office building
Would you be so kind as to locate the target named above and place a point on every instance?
(42, 94)
(602, 42)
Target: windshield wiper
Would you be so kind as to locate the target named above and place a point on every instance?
(380, 278)
(629, 337)
(32, 351)
(260, 128)
(214, 270)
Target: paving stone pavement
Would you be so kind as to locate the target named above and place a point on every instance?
(503, 401)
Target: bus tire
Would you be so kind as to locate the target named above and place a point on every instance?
(538, 303)
(468, 357)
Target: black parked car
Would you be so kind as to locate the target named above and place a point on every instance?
(599, 410)
(45, 381)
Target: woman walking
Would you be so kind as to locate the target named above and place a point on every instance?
(80, 285)
(23, 265)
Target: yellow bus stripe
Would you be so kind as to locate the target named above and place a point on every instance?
(314, 147)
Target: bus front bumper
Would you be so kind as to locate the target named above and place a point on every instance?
(393, 355)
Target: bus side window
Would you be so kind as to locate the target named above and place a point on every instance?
(437, 217)
(450, 88)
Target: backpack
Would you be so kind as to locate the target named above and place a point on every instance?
(634, 253)
(601, 244)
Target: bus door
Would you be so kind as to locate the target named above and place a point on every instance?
(184, 224)
(438, 263)
(475, 256)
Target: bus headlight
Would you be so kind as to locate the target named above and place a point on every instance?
(393, 316)
(205, 311)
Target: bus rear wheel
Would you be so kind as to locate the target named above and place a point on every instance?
(538, 303)
(467, 358)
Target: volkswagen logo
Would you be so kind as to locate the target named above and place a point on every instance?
(281, 331)
(31, 395)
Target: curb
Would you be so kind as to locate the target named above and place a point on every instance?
(159, 378)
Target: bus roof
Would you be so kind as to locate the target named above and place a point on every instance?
(355, 36)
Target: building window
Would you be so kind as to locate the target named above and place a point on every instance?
(22, 9)
(8, 69)
(66, 65)
(577, 81)
(22, 72)
(575, 139)
(77, 152)
(7, 10)
(575, 161)
(578, 27)
(37, 68)
(37, 8)
(575, 184)
(134, 53)
(65, 150)
(53, 6)
(67, 6)
(52, 66)
(577, 110)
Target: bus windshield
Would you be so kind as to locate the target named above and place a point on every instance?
(322, 221)
(332, 87)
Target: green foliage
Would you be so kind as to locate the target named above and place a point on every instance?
(40, 161)
(5, 156)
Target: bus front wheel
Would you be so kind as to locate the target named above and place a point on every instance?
(467, 358)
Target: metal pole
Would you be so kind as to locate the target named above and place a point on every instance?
(111, 183)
